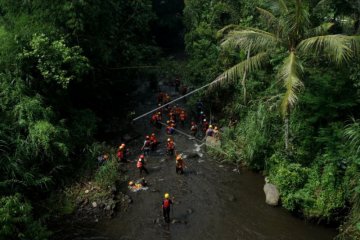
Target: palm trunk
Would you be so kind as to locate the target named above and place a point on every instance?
(286, 133)
(243, 82)
(287, 130)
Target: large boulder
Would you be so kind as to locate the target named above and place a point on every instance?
(272, 193)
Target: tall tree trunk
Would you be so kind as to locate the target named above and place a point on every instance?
(287, 130)
(243, 82)
(286, 133)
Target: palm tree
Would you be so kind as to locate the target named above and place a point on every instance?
(289, 30)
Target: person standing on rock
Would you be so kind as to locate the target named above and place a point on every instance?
(166, 204)
(141, 165)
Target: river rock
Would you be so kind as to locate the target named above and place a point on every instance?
(189, 211)
(87, 191)
(272, 194)
(94, 204)
(232, 198)
(175, 221)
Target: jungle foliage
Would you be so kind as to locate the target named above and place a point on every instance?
(316, 165)
(61, 86)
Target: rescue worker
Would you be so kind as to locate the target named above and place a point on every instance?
(166, 204)
(194, 128)
(209, 131)
(216, 133)
(180, 164)
(141, 165)
(153, 142)
(182, 117)
(170, 147)
(146, 147)
(205, 125)
(103, 158)
(155, 120)
(121, 153)
(160, 97)
(202, 116)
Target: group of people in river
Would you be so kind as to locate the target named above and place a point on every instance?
(175, 116)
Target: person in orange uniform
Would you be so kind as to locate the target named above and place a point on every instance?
(193, 129)
(121, 153)
(170, 147)
(182, 117)
(153, 142)
(141, 165)
(180, 164)
(166, 206)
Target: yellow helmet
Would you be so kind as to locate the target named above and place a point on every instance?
(210, 126)
(131, 183)
(167, 195)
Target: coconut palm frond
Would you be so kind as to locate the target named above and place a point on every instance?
(282, 6)
(352, 132)
(298, 20)
(259, 40)
(268, 16)
(289, 73)
(320, 30)
(355, 44)
(336, 47)
(251, 64)
(225, 30)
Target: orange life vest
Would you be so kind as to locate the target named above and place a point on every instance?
(170, 145)
(139, 164)
(166, 203)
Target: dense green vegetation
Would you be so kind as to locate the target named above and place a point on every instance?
(293, 99)
(65, 84)
(60, 86)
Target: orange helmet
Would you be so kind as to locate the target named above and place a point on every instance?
(178, 157)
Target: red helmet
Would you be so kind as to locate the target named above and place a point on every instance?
(142, 156)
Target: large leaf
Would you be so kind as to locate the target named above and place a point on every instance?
(336, 47)
(251, 64)
(289, 73)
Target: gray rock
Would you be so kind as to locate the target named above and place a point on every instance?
(94, 204)
(189, 211)
(232, 198)
(175, 221)
(272, 194)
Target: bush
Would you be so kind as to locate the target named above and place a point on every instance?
(16, 220)
(108, 174)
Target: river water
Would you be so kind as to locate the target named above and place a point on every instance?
(212, 201)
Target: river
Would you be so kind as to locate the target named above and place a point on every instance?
(212, 201)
